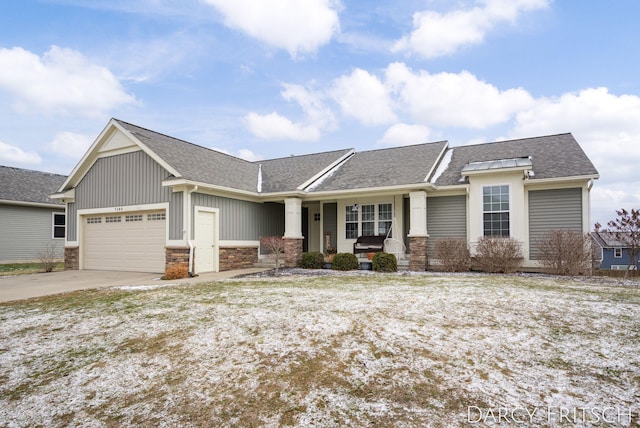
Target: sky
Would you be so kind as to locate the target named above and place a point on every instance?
(268, 79)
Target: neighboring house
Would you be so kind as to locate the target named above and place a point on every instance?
(141, 200)
(29, 219)
(611, 252)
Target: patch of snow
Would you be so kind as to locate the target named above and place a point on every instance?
(442, 167)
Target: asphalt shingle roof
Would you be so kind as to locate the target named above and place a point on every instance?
(385, 167)
(23, 185)
(287, 174)
(199, 163)
(552, 156)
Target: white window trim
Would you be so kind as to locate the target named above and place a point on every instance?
(617, 253)
(376, 214)
(508, 185)
(53, 226)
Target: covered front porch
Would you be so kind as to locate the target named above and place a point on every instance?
(334, 225)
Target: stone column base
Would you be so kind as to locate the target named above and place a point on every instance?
(418, 260)
(238, 258)
(292, 251)
(176, 256)
(71, 258)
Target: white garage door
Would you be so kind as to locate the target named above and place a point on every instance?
(131, 241)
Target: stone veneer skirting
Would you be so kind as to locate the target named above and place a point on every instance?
(418, 253)
(176, 256)
(237, 257)
(292, 252)
(71, 258)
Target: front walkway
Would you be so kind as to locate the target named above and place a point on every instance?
(19, 287)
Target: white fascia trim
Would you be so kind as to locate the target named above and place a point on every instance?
(436, 164)
(126, 208)
(534, 181)
(32, 204)
(122, 151)
(326, 170)
(236, 244)
(67, 196)
(147, 150)
(206, 187)
(378, 190)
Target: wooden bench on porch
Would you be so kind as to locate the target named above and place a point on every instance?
(369, 244)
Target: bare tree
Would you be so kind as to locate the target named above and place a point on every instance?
(565, 252)
(273, 245)
(625, 229)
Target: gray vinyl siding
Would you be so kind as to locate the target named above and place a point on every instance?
(330, 223)
(553, 209)
(72, 212)
(243, 220)
(25, 232)
(446, 218)
(128, 179)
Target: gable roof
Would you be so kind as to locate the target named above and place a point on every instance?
(609, 240)
(27, 186)
(553, 156)
(385, 168)
(295, 172)
(197, 163)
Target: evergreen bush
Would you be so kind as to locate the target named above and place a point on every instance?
(385, 262)
(312, 260)
(345, 261)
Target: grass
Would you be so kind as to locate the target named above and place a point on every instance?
(26, 268)
(359, 350)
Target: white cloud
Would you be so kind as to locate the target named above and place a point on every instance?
(312, 104)
(62, 81)
(71, 144)
(364, 97)
(13, 154)
(607, 126)
(275, 127)
(402, 134)
(294, 25)
(454, 99)
(437, 34)
(245, 154)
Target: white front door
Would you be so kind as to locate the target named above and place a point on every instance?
(206, 242)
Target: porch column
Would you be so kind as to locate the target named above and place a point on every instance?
(292, 231)
(418, 236)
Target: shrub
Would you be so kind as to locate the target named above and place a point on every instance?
(565, 252)
(48, 257)
(384, 262)
(273, 245)
(498, 254)
(176, 272)
(345, 261)
(453, 254)
(312, 260)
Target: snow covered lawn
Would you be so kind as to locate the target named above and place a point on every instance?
(336, 350)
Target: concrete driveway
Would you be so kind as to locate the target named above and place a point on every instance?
(18, 287)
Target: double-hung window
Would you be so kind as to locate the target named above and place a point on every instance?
(367, 220)
(617, 253)
(59, 225)
(495, 211)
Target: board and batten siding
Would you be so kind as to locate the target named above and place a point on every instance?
(446, 218)
(553, 209)
(243, 220)
(125, 180)
(330, 223)
(26, 231)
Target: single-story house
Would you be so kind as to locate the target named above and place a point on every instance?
(30, 220)
(140, 200)
(611, 252)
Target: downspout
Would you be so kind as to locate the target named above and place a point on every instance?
(190, 242)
